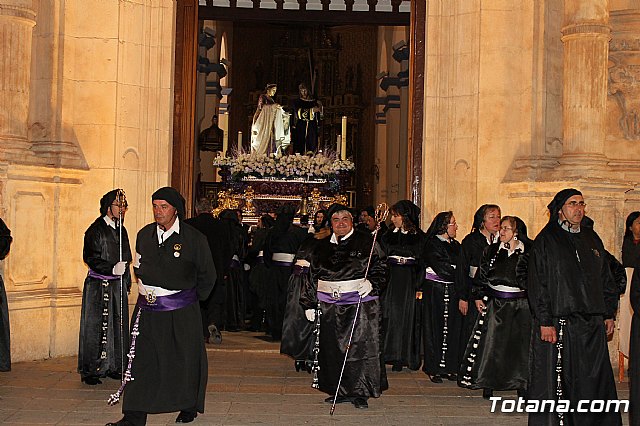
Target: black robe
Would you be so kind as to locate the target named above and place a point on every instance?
(471, 250)
(497, 355)
(634, 351)
(364, 373)
(441, 318)
(304, 126)
(236, 286)
(104, 338)
(401, 311)
(297, 331)
(5, 341)
(218, 235)
(630, 253)
(288, 242)
(569, 281)
(170, 366)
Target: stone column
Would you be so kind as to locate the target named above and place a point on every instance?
(585, 37)
(17, 20)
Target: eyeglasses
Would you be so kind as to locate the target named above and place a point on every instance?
(579, 204)
(506, 228)
(453, 224)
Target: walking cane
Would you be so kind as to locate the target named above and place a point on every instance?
(382, 210)
(122, 199)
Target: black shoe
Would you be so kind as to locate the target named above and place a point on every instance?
(360, 403)
(299, 365)
(121, 422)
(186, 417)
(216, 336)
(396, 367)
(487, 393)
(339, 400)
(91, 381)
(436, 378)
(452, 377)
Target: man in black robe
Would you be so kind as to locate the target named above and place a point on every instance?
(573, 299)
(283, 241)
(175, 269)
(104, 321)
(5, 346)
(218, 236)
(339, 284)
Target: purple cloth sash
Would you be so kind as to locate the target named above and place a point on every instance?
(169, 303)
(350, 298)
(401, 262)
(281, 263)
(97, 276)
(507, 294)
(299, 270)
(436, 278)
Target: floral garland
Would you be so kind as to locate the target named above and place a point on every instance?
(286, 166)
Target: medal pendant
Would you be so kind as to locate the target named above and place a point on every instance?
(151, 297)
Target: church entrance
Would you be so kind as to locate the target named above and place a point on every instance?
(360, 64)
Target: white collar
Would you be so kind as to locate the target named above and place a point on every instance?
(334, 239)
(446, 240)
(163, 235)
(400, 230)
(516, 246)
(571, 229)
(109, 221)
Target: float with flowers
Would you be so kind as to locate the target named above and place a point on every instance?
(260, 183)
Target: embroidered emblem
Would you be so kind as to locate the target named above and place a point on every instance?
(151, 297)
(177, 247)
(335, 293)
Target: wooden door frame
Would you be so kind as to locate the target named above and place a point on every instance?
(184, 103)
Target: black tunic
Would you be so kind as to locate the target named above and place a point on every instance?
(297, 331)
(101, 350)
(170, 365)
(5, 343)
(497, 355)
(401, 310)
(364, 375)
(634, 351)
(235, 283)
(441, 318)
(471, 250)
(569, 281)
(219, 238)
(630, 253)
(304, 126)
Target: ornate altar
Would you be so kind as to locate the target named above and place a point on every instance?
(260, 184)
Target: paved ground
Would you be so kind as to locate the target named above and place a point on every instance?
(249, 383)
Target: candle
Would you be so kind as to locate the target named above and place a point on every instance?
(339, 146)
(240, 149)
(343, 148)
(224, 125)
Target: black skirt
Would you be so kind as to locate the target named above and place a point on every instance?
(497, 354)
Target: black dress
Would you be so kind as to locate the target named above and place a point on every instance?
(570, 287)
(441, 318)
(104, 341)
(467, 274)
(401, 310)
(5, 341)
(170, 366)
(634, 351)
(497, 355)
(364, 373)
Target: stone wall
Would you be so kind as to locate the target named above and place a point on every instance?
(91, 86)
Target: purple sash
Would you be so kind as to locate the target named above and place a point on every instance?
(436, 278)
(507, 294)
(97, 276)
(281, 263)
(350, 298)
(401, 262)
(169, 303)
(299, 270)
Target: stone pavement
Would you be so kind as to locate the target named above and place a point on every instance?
(249, 383)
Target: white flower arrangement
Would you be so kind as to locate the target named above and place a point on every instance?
(286, 166)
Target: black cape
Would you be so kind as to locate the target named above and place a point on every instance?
(104, 341)
(170, 366)
(634, 351)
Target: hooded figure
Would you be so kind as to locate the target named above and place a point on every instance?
(573, 299)
(104, 321)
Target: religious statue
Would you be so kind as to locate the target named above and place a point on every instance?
(270, 126)
(307, 113)
(210, 139)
